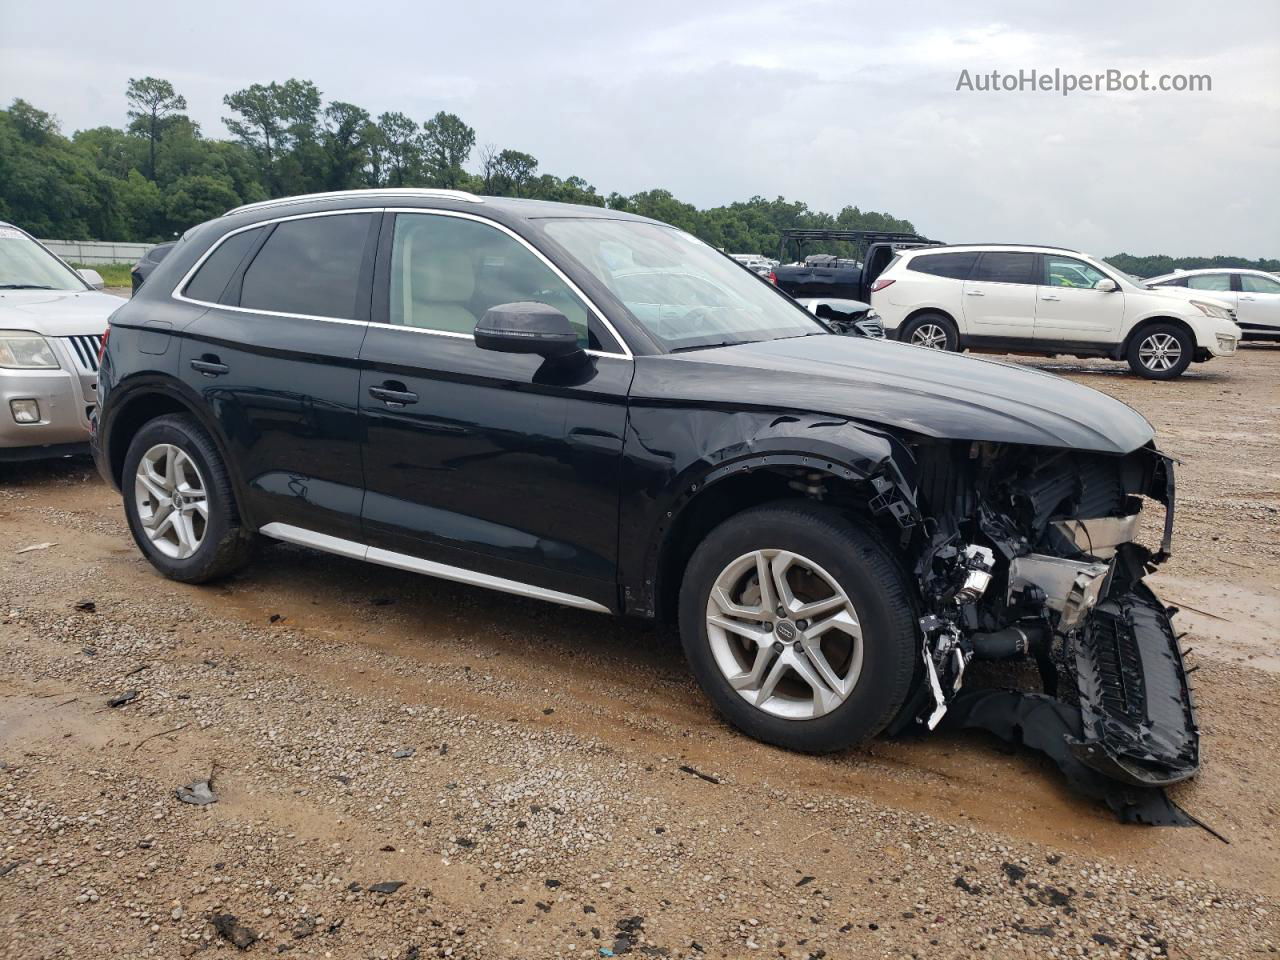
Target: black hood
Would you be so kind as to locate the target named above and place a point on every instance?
(929, 392)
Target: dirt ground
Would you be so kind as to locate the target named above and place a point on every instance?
(547, 783)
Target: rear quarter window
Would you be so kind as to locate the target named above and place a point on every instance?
(955, 266)
(211, 279)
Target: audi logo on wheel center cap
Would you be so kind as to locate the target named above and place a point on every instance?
(786, 630)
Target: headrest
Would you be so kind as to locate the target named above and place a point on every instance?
(445, 276)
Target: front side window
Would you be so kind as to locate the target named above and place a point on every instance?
(955, 266)
(25, 265)
(684, 293)
(211, 279)
(1070, 272)
(1006, 268)
(1252, 283)
(309, 266)
(1220, 282)
(447, 271)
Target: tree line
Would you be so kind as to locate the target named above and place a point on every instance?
(158, 175)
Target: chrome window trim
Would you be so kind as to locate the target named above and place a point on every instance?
(403, 561)
(177, 293)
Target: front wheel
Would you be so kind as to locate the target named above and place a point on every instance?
(1161, 351)
(799, 626)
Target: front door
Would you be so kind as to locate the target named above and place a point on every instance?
(1258, 305)
(1069, 308)
(274, 357)
(492, 463)
(1000, 298)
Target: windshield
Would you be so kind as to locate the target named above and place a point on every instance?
(682, 291)
(25, 265)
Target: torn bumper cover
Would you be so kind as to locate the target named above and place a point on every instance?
(1034, 555)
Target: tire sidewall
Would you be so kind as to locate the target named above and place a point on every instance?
(953, 334)
(1184, 340)
(191, 441)
(888, 637)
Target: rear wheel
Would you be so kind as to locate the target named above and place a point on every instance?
(1161, 351)
(180, 504)
(799, 626)
(933, 331)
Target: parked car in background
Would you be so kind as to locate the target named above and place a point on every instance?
(599, 410)
(1254, 295)
(1049, 300)
(754, 262)
(51, 323)
(825, 275)
(150, 260)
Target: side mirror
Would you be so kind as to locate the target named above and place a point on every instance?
(1106, 285)
(527, 327)
(93, 278)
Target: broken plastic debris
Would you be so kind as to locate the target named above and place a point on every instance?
(36, 546)
(120, 699)
(200, 793)
(386, 886)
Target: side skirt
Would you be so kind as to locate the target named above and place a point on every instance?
(403, 561)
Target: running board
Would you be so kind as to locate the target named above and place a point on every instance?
(403, 561)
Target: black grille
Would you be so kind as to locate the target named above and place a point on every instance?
(85, 351)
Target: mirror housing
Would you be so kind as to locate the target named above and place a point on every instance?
(527, 327)
(93, 278)
(1106, 285)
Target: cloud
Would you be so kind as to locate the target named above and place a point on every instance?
(828, 102)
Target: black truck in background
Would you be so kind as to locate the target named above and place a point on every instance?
(827, 276)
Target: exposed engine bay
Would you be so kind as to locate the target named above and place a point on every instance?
(1028, 552)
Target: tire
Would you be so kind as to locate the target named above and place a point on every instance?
(179, 451)
(1161, 351)
(933, 331)
(827, 550)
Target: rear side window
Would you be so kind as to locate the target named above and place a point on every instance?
(211, 279)
(954, 265)
(1006, 268)
(309, 266)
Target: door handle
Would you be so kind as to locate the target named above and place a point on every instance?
(210, 368)
(1247, 298)
(974, 293)
(1050, 296)
(393, 394)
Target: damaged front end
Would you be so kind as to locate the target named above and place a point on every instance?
(1028, 552)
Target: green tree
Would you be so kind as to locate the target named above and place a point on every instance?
(152, 102)
(511, 173)
(277, 123)
(403, 146)
(447, 143)
(344, 146)
(197, 199)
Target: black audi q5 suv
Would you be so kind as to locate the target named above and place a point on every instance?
(599, 410)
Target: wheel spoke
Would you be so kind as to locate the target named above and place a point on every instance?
(816, 608)
(776, 673)
(169, 499)
(778, 567)
(730, 609)
(825, 699)
(751, 679)
(768, 599)
(756, 634)
(845, 620)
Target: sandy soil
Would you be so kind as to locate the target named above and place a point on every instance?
(550, 783)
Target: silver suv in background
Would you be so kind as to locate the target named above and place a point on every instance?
(1049, 300)
(52, 321)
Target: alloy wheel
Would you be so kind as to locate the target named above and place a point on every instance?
(172, 505)
(1160, 352)
(784, 634)
(930, 335)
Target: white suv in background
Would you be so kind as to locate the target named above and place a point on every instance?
(1254, 295)
(1029, 299)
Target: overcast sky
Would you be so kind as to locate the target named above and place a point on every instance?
(826, 102)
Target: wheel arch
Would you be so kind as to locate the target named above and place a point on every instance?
(1147, 322)
(144, 401)
(873, 485)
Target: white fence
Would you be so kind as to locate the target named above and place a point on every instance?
(97, 251)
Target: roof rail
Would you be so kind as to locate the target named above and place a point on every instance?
(371, 192)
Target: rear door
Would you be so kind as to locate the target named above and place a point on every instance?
(1000, 296)
(274, 357)
(1068, 306)
(487, 463)
(1258, 307)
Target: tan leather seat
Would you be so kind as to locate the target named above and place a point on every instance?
(440, 284)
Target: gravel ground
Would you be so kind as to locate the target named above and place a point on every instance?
(409, 768)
